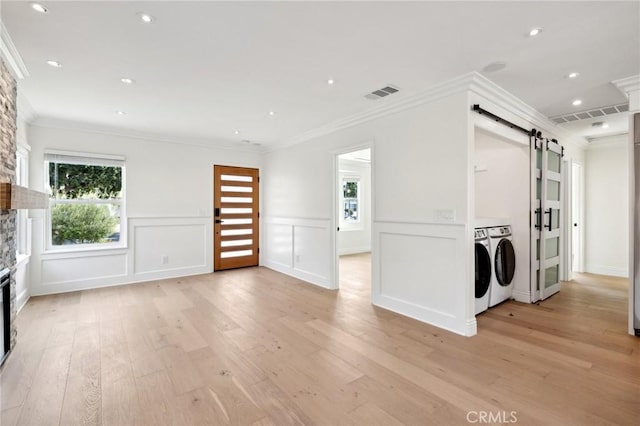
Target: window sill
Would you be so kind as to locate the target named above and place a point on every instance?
(84, 249)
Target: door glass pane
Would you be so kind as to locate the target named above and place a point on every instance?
(236, 178)
(552, 247)
(239, 253)
(551, 276)
(553, 164)
(538, 249)
(538, 188)
(539, 159)
(555, 219)
(553, 190)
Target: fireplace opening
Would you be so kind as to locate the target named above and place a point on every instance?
(5, 318)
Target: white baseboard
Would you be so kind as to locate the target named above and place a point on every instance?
(22, 299)
(318, 280)
(521, 296)
(607, 270)
(67, 287)
(354, 250)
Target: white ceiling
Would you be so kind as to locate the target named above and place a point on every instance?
(206, 69)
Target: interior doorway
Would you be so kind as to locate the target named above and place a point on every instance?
(353, 218)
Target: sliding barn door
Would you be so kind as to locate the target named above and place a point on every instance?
(546, 210)
(235, 227)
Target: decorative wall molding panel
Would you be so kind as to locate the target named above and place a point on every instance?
(300, 248)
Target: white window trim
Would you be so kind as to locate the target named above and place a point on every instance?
(23, 225)
(92, 159)
(351, 225)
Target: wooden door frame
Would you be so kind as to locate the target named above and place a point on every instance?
(251, 171)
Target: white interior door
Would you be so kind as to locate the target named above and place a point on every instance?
(546, 232)
(551, 240)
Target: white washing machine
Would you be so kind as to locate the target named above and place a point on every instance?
(483, 269)
(504, 264)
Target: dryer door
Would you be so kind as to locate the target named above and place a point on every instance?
(505, 265)
(483, 270)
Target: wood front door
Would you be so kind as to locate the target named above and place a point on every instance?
(235, 227)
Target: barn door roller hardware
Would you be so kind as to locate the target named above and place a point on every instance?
(501, 120)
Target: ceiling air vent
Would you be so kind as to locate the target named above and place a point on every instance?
(381, 93)
(584, 115)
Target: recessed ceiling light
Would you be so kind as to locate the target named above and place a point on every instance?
(126, 80)
(146, 18)
(55, 64)
(573, 75)
(576, 102)
(121, 113)
(534, 32)
(605, 125)
(272, 113)
(330, 81)
(494, 66)
(237, 132)
(39, 8)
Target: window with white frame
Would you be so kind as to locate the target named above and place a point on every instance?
(351, 199)
(86, 200)
(23, 246)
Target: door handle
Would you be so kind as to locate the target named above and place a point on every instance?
(550, 213)
(219, 221)
(538, 218)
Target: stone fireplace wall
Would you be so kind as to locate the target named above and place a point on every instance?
(8, 120)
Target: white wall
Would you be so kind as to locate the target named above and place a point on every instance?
(356, 237)
(420, 174)
(607, 207)
(22, 266)
(169, 189)
(502, 191)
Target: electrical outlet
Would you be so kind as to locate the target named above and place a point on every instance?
(164, 259)
(445, 215)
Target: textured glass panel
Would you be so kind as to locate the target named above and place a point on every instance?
(227, 210)
(236, 199)
(235, 243)
(555, 219)
(553, 190)
(538, 249)
(225, 188)
(538, 188)
(237, 221)
(539, 159)
(551, 276)
(226, 232)
(553, 162)
(236, 178)
(552, 247)
(239, 253)
(538, 280)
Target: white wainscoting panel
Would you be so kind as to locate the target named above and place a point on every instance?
(158, 248)
(420, 270)
(72, 271)
(301, 248)
(168, 246)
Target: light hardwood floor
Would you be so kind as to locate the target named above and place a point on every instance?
(254, 347)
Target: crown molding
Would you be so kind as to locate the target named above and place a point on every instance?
(59, 124)
(486, 88)
(470, 82)
(628, 84)
(11, 55)
(448, 88)
(26, 112)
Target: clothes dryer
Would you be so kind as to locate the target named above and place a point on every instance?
(483, 269)
(504, 264)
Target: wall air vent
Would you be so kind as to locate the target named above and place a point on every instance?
(381, 93)
(584, 115)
